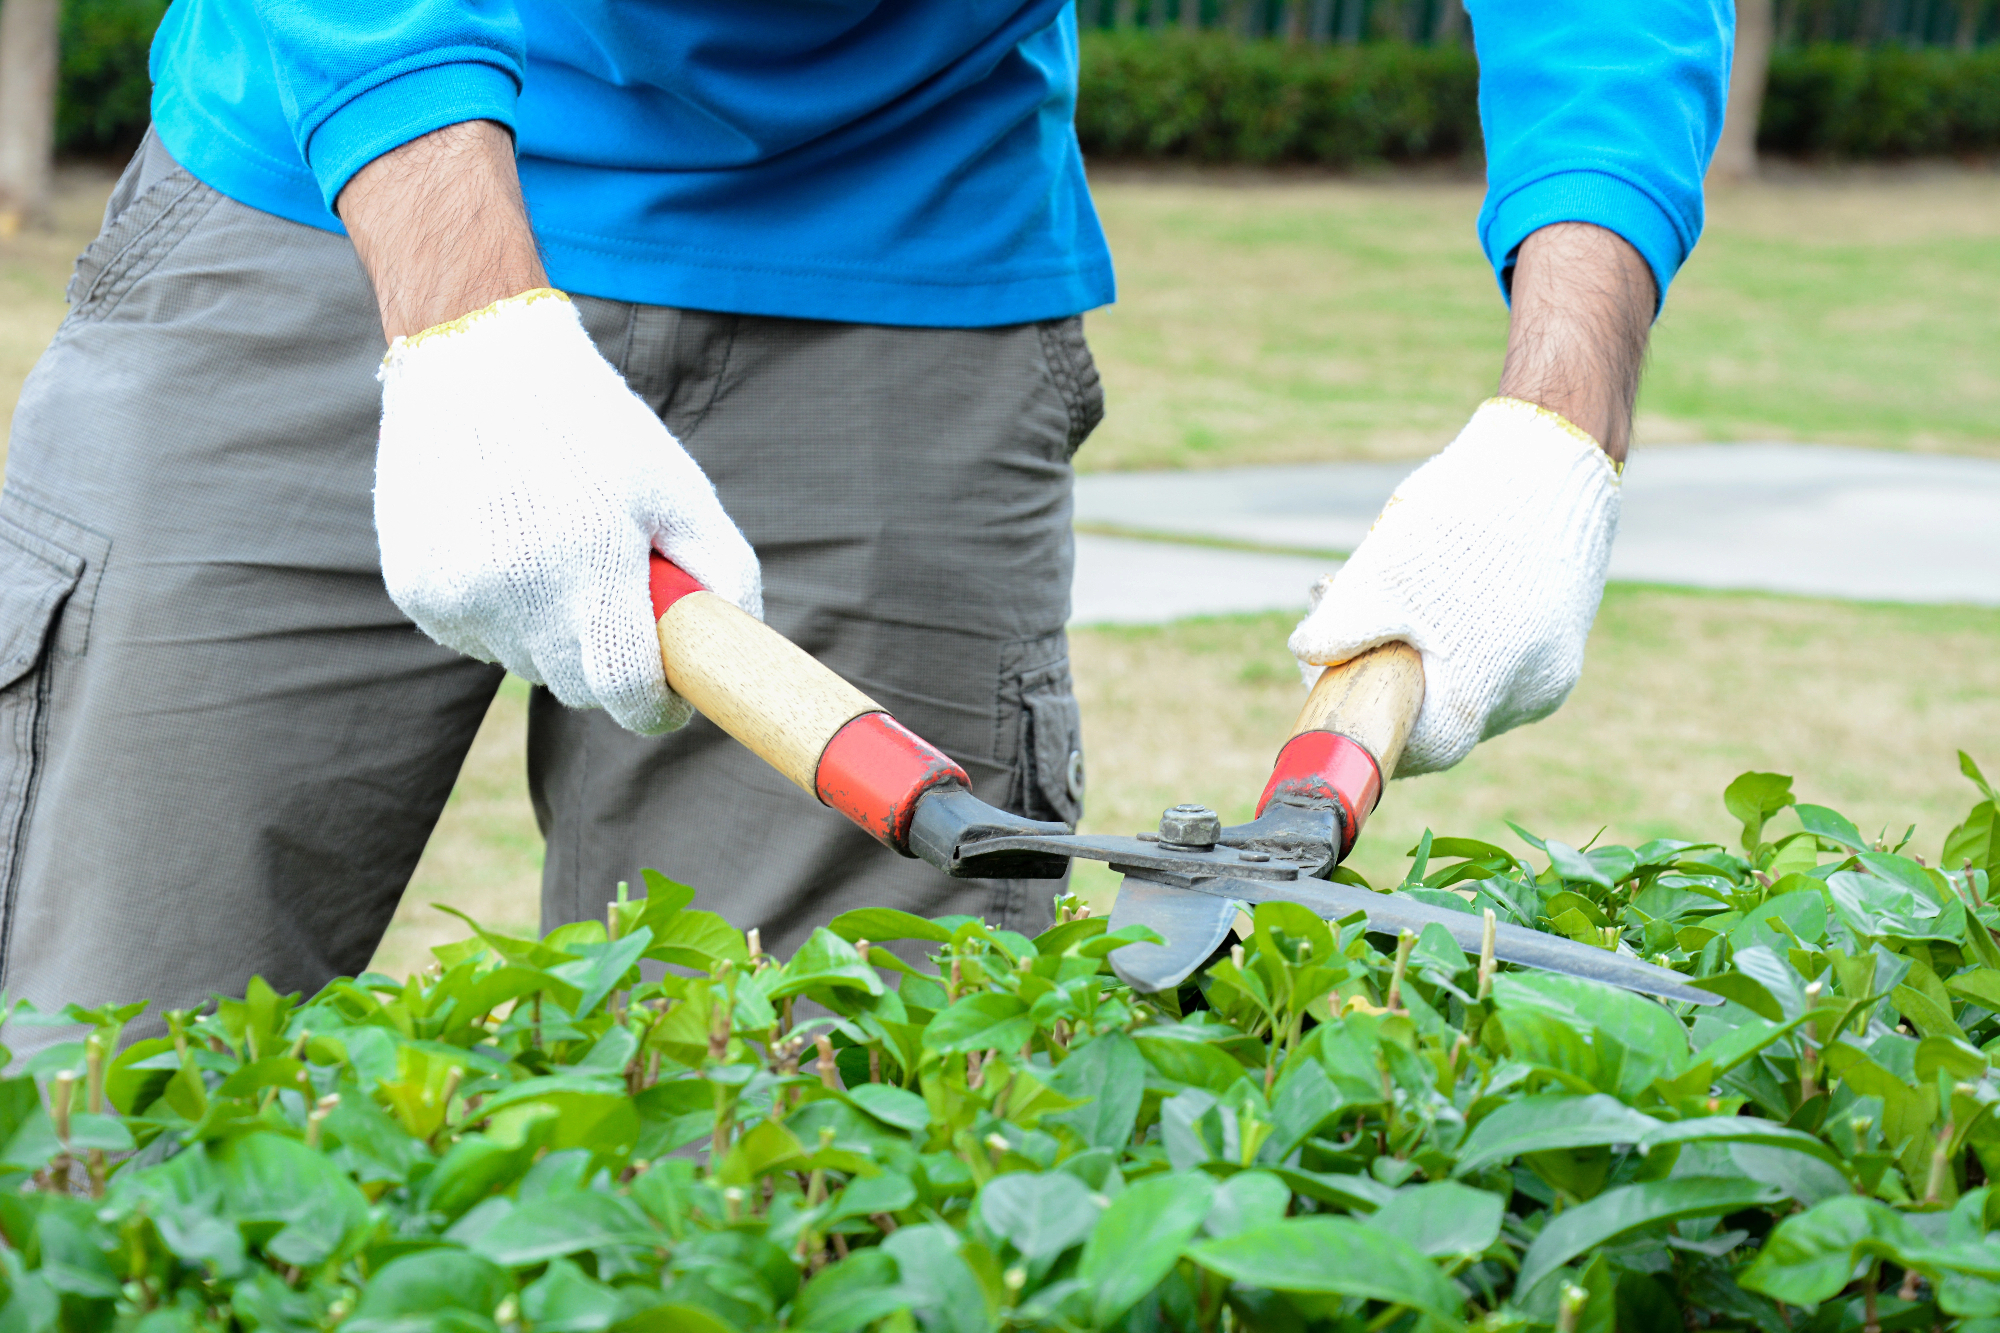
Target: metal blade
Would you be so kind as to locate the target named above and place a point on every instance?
(1193, 924)
(1390, 913)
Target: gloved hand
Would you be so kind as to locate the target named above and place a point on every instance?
(519, 488)
(1489, 559)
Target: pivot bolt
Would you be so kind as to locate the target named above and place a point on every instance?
(1190, 826)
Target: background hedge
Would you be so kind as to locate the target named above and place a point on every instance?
(1211, 96)
(103, 99)
(1214, 98)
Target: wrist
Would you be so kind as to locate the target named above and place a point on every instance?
(1583, 306)
(440, 227)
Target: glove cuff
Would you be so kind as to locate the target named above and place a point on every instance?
(1512, 422)
(401, 346)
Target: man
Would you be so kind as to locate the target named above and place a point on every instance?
(830, 258)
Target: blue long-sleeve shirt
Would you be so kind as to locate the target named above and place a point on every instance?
(874, 161)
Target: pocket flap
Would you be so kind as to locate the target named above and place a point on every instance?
(35, 577)
(1056, 729)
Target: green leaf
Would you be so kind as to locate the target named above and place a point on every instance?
(1108, 1076)
(316, 1212)
(1118, 939)
(561, 1224)
(1139, 1238)
(826, 960)
(1744, 990)
(564, 1300)
(1626, 1208)
(1739, 1129)
(608, 964)
(1245, 1200)
(592, 1113)
(989, 1020)
(1971, 770)
(849, 1295)
(1830, 825)
(868, 1195)
(1573, 865)
(1196, 1064)
(892, 1105)
(1754, 798)
(878, 924)
(430, 1281)
(1538, 1124)
(1334, 1256)
(936, 1280)
(1444, 1219)
(1040, 1215)
(1811, 1256)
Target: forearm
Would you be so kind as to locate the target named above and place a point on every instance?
(1583, 302)
(440, 226)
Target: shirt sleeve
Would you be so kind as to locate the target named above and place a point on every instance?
(360, 78)
(1600, 111)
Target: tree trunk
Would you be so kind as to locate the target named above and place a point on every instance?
(27, 108)
(1736, 155)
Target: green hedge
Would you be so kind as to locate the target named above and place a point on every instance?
(1214, 98)
(1211, 97)
(104, 99)
(1838, 101)
(1325, 1132)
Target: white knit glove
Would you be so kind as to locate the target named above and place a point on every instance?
(519, 489)
(1489, 559)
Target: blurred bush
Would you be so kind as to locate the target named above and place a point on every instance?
(103, 99)
(1844, 101)
(1215, 98)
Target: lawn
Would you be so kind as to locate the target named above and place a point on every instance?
(1295, 318)
(1287, 318)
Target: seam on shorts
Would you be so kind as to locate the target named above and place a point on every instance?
(1075, 375)
(715, 379)
(157, 229)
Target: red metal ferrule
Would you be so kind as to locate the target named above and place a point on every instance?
(1322, 766)
(874, 771)
(669, 583)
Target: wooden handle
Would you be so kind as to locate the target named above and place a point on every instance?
(1350, 736)
(756, 684)
(1373, 699)
(793, 713)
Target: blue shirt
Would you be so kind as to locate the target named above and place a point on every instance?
(875, 161)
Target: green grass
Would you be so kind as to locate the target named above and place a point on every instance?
(1284, 318)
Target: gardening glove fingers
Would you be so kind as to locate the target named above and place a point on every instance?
(1489, 560)
(520, 487)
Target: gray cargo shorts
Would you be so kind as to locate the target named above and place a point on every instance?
(222, 747)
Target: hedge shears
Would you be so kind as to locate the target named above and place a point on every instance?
(1187, 881)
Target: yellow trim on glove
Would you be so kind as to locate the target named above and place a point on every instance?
(463, 322)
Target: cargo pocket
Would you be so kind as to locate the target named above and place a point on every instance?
(36, 579)
(1074, 372)
(1042, 730)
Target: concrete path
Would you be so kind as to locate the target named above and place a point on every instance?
(1774, 517)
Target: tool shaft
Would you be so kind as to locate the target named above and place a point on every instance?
(792, 712)
(1389, 913)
